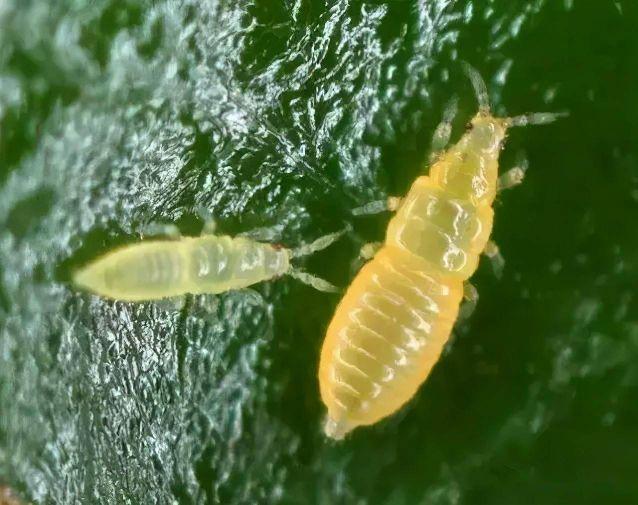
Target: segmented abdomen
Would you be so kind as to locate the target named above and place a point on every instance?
(396, 316)
(387, 333)
(146, 271)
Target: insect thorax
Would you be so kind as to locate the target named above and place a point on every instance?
(221, 263)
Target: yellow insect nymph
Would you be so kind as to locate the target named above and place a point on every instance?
(396, 316)
(157, 269)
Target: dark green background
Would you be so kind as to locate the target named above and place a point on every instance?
(289, 114)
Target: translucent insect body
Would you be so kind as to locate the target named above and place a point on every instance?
(157, 269)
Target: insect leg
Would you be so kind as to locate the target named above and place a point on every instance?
(264, 233)
(317, 245)
(368, 250)
(470, 297)
(494, 254)
(172, 304)
(209, 227)
(366, 253)
(443, 131)
(514, 176)
(204, 305)
(253, 297)
(313, 281)
(160, 229)
(391, 204)
(209, 221)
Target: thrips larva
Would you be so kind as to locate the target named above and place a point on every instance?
(157, 269)
(389, 329)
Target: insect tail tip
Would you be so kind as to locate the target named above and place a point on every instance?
(80, 277)
(88, 278)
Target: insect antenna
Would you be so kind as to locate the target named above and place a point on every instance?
(317, 245)
(480, 89)
(305, 249)
(535, 118)
(441, 136)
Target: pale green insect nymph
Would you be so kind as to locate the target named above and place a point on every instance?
(156, 269)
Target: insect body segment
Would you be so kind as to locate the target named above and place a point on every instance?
(208, 264)
(448, 233)
(386, 335)
(395, 318)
